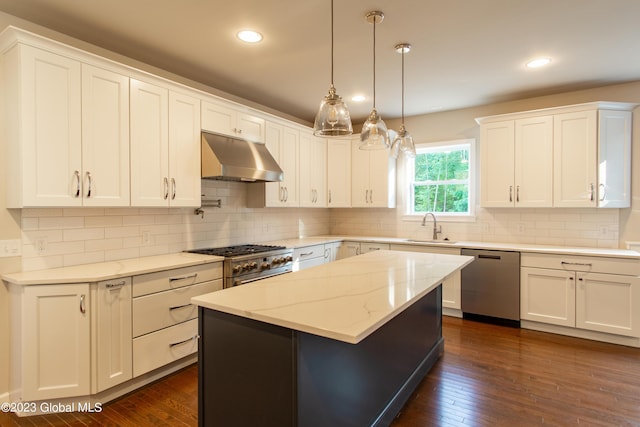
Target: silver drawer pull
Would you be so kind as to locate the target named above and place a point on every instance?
(307, 253)
(176, 307)
(193, 338)
(584, 264)
(115, 285)
(191, 276)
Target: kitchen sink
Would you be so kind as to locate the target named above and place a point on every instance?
(441, 242)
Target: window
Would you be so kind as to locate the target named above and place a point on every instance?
(440, 179)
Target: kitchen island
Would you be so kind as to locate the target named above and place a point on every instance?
(341, 344)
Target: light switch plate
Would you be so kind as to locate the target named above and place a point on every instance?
(10, 248)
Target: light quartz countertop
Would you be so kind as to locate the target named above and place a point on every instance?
(108, 270)
(345, 300)
(519, 247)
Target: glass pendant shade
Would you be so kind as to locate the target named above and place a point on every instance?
(333, 117)
(374, 135)
(403, 143)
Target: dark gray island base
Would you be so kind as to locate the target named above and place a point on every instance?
(257, 374)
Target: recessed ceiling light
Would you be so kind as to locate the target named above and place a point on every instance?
(538, 62)
(249, 36)
(358, 98)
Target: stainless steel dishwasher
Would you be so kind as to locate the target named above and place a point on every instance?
(491, 285)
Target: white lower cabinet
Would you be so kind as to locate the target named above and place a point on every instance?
(50, 342)
(588, 293)
(308, 256)
(111, 333)
(348, 249)
(165, 325)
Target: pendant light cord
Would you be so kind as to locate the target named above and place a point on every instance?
(332, 43)
(374, 62)
(403, 86)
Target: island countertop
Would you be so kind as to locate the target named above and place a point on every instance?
(345, 300)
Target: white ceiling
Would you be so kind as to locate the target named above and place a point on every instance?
(465, 52)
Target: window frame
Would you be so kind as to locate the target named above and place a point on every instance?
(407, 183)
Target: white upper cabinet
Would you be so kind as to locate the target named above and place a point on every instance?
(221, 118)
(592, 159)
(165, 161)
(373, 178)
(574, 156)
(283, 143)
(105, 137)
(517, 163)
(43, 122)
(313, 170)
(338, 173)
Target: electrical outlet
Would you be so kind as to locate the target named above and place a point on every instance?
(41, 245)
(9, 248)
(604, 231)
(521, 228)
(146, 238)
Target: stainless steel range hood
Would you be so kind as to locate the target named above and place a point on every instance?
(235, 159)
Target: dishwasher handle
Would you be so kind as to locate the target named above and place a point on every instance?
(484, 256)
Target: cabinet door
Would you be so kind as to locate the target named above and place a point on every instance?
(574, 144)
(359, 176)
(274, 192)
(548, 296)
(312, 171)
(614, 159)
(348, 249)
(338, 173)
(105, 137)
(608, 303)
(382, 178)
(370, 247)
(112, 314)
(149, 145)
(534, 162)
(184, 150)
(497, 167)
(289, 163)
(250, 127)
(56, 334)
(218, 118)
(49, 99)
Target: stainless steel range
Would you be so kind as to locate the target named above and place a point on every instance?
(248, 263)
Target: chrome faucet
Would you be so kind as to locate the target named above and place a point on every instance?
(436, 230)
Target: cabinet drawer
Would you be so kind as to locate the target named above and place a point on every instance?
(159, 348)
(163, 309)
(302, 254)
(426, 248)
(169, 279)
(623, 266)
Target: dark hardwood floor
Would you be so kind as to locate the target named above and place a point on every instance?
(489, 376)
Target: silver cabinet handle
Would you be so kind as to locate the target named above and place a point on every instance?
(366, 196)
(371, 196)
(592, 193)
(191, 276)
(583, 264)
(166, 188)
(77, 175)
(603, 192)
(173, 188)
(193, 338)
(115, 285)
(281, 194)
(83, 308)
(329, 196)
(511, 193)
(89, 183)
(327, 253)
(176, 307)
(286, 194)
(306, 253)
(517, 194)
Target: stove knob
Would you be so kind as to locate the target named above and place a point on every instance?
(245, 267)
(275, 261)
(237, 268)
(265, 266)
(253, 265)
(289, 258)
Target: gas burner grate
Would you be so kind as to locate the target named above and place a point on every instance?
(237, 250)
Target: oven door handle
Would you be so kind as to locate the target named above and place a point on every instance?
(255, 279)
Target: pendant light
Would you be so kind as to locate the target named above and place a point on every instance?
(403, 142)
(333, 117)
(374, 134)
